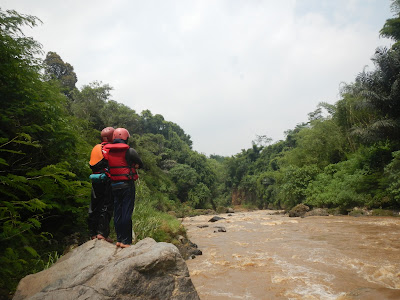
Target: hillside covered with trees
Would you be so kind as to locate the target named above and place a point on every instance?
(347, 154)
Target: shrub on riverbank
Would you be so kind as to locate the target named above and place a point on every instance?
(151, 222)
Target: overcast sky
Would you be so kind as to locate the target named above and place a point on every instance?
(224, 71)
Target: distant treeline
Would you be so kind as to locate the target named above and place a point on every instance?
(346, 155)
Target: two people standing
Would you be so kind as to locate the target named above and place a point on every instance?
(122, 163)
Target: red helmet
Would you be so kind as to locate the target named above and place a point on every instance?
(121, 133)
(107, 134)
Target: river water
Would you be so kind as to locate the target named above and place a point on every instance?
(266, 256)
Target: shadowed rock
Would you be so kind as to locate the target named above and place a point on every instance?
(220, 229)
(215, 219)
(100, 270)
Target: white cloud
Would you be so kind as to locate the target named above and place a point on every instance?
(222, 70)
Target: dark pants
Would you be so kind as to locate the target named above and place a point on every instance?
(100, 209)
(124, 202)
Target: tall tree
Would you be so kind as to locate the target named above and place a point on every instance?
(378, 92)
(56, 68)
(391, 28)
(89, 103)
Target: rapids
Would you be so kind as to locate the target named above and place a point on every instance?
(267, 256)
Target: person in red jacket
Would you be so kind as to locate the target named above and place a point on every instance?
(123, 161)
(101, 204)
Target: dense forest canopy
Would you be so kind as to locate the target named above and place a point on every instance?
(346, 154)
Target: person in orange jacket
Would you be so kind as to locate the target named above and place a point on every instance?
(123, 161)
(101, 204)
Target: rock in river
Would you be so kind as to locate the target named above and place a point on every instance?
(100, 270)
(215, 219)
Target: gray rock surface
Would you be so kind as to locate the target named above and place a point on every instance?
(100, 270)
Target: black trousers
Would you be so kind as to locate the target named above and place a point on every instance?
(124, 203)
(100, 209)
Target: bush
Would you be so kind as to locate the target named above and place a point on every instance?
(382, 212)
(149, 222)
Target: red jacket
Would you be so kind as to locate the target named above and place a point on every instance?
(119, 170)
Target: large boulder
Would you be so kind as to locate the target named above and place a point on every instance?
(100, 270)
(299, 210)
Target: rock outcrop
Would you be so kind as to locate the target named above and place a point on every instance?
(299, 210)
(100, 270)
(321, 212)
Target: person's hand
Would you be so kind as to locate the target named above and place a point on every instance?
(136, 166)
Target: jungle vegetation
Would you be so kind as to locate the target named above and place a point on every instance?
(346, 154)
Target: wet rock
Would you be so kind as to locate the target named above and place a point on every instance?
(215, 219)
(196, 252)
(99, 270)
(299, 210)
(187, 249)
(317, 212)
(220, 229)
(230, 210)
(202, 226)
(193, 245)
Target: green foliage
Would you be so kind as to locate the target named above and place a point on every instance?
(339, 185)
(391, 28)
(89, 103)
(377, 93)
(150, 222)
(185, 178)
(391, 179)
(267, 190)
(199, 196)
(38, 189)
(293, 184)
(319, 144)
(354, 182)
(55, 68)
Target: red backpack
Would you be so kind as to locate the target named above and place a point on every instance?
(119, 170)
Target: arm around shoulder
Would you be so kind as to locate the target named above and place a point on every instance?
(134, 158)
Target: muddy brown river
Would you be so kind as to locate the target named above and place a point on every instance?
(267, 256)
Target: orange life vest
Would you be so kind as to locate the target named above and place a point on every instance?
(119, 170)
(97, 158)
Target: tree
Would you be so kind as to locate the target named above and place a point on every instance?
(55, 68)
(89, 103)
(391, 28)
(378, 92)
(38, 140)
(185, 179)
